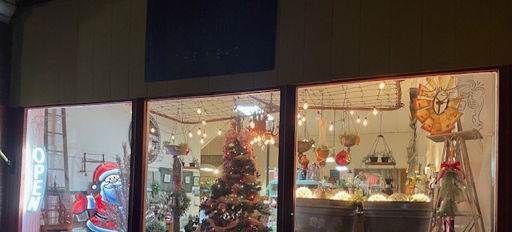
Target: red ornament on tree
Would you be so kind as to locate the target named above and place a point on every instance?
(343, 158)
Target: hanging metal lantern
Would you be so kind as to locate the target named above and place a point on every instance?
(380, 148)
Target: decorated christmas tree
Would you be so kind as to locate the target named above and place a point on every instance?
(234, 203)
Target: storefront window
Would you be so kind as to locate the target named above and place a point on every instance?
(397, 155)
(76, 167)
(212, 163)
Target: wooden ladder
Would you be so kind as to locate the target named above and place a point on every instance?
(56, 119)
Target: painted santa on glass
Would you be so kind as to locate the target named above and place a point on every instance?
(107, 185)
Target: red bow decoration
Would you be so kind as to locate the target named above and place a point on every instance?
(450, 167)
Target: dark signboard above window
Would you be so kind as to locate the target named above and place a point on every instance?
(195, 38)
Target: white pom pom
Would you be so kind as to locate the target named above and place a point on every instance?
(94, 187)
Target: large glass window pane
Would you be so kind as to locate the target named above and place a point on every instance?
(397, 154)
(212, 163)
(76, 168)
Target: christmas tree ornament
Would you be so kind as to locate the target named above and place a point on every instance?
(437, 104)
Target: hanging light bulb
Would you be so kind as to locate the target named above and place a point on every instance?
(375, 111)
(318, 115)
(303, 119)
(382, 85)
(152, 130)
(173, 137)
(305, 106)
(330, 159)
(267, 141)
(203, 122)
(352, 112)
(358, 120)
(365, 122)
(199, 132)
(272, 141)
(201, 141)
(331, 127)
(219, 132)
(299, 116)
(190, 134)
(251, 124)
(252, 143)
(299, 122)
(204, 135)
(199, 111)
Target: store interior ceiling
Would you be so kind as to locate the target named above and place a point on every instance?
(367, 96)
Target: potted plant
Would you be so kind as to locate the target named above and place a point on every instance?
(385, 157)
(155, 188)
(194, 162)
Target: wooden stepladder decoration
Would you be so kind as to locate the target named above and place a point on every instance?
(456, 160)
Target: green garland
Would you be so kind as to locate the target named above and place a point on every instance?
(450, 191)
(182, 202)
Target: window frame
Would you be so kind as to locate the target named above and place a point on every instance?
(16, 116)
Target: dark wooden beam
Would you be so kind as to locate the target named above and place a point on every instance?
(138, 166)
(504, 187)
(286, 175)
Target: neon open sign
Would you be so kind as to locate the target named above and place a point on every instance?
(37, 179)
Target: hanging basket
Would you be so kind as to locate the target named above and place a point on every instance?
(304, 145)
(321, 155)
(177, 150)
(349, 136)
(349, 140)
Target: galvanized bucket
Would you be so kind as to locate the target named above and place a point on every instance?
(397, 216)
(324, 215)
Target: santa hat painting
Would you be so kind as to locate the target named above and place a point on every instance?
(103, 171)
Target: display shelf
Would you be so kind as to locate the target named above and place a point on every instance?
(380, 163)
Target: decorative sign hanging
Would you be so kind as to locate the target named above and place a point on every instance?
(196, 38)
(437, 104)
